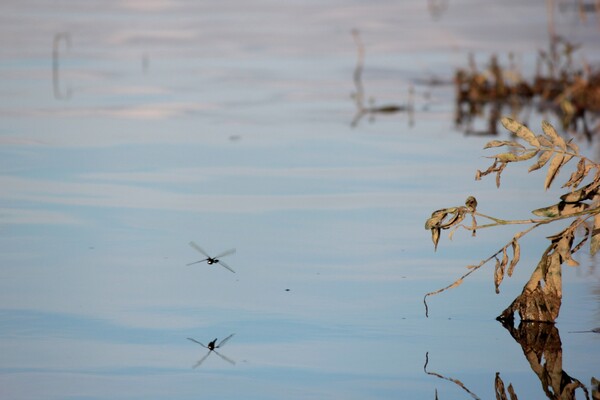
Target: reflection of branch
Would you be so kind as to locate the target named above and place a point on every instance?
(543, 350)
(455, 381)
(58, 38)
(359, 94)
(500, 392)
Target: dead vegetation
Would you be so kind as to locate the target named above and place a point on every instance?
(541, 297)
(542, 348)
(559, 86)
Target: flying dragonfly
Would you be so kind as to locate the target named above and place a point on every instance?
(212, 349)
(212, 260)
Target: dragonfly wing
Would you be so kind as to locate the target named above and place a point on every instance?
(200, 361)
(226, 266)
(195, 246)
(196, 262)
(222, 342)
(225, 253)
(195, 341)
(229, 360)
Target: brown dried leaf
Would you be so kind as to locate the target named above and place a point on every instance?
(544, 157)
(505, 157)
(527, 155)
(595, 241)
(435, 237)
(585, 193)
(436, 219)
(573, 147)
(582, 242)
(499, 143)
(571, 263)
(516, 247)
(520, 130)
(578, 175)
(499, 172)
(498, 275)
(556, 139)
(544, 141)
(455, 284)
(560, 209)
(553, 170)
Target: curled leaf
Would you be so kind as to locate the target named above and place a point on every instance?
(498, 275)
(516, 257)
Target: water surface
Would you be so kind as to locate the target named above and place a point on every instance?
(130, 128)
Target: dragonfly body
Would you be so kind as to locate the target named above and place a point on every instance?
(212, 348)
(212, 260)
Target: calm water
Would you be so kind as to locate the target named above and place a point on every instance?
(153, 123)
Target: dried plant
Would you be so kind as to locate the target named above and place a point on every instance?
(541, 297)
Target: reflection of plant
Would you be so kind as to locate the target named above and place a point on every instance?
(359, 95)
(542, 349)
(571, 92)
(541, 297)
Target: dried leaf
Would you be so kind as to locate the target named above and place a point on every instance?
(571, 263)
(556, 139)
(499, 143)
(520, 130)
(595, 241)
(585, 193)
(471, 203)
(455, 284)
(544, 141)
(573, 147)
(435, 237)
(527, 155)
(499, 172)
(451, 233)
(516, 247)
(582, 242)
(578, 175)
(553, 170)
(498, 275)
(544, 157)
(505, 157)
(560, 209)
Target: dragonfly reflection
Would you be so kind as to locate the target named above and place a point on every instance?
(212, 260)
(212, 349)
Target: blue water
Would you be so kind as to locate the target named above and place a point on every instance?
(228, 123)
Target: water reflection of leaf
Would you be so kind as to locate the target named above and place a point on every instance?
(542, 348)
(501, 392)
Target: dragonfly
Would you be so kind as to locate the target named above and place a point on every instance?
(212, 346)
(212, 260)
